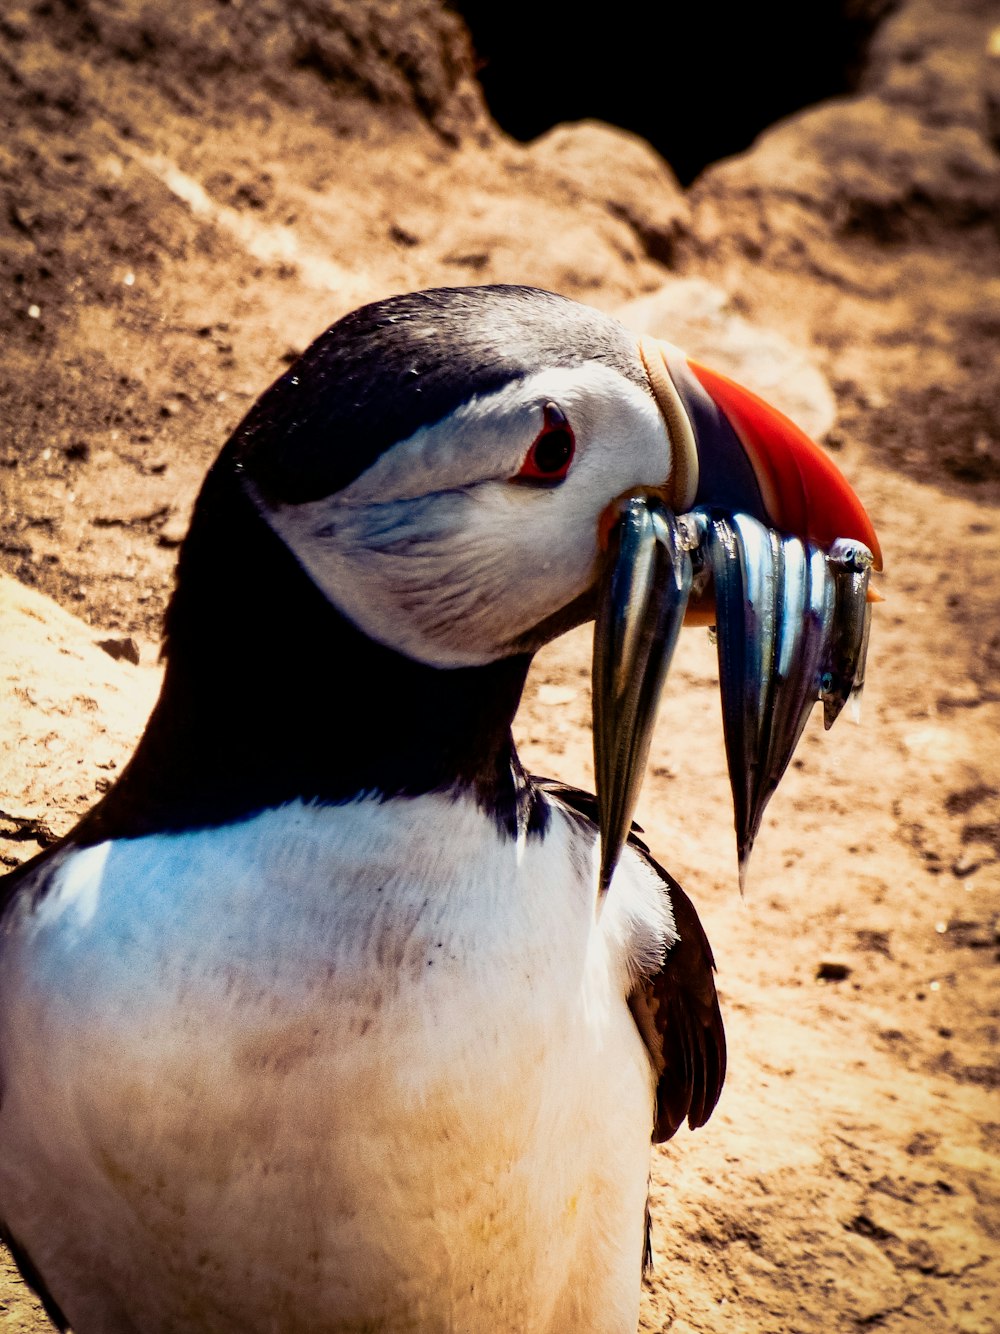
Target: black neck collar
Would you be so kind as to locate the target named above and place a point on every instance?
(270, 694)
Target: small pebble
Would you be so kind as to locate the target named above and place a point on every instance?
(125, 648)
(173, 532)
(965, 864)
(829, 971)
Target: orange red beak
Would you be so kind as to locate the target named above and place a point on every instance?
(735, 452)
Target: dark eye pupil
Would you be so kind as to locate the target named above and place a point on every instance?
(553, 450)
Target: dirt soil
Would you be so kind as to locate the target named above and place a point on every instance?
(187, 198)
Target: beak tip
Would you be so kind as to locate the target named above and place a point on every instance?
(802, 490)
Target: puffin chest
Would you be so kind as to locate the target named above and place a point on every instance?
(405, 921)
(322, 1029)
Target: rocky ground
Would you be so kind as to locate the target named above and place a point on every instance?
(189, 196)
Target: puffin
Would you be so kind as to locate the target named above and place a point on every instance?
(329, 1016)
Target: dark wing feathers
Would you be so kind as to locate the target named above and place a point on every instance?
(676, 1009)
(677, 1013)
(585, 804)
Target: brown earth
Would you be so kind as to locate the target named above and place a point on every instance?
(190, 193)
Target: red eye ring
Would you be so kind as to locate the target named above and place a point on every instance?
(550, 456)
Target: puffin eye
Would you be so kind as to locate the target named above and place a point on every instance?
(550, 455)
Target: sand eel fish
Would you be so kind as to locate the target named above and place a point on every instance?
(323, 1019)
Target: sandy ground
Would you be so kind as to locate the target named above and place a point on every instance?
(160, 266)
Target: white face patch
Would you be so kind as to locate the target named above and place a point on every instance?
(435, 552)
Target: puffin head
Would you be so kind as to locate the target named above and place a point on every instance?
(445, 465)
(405, 516)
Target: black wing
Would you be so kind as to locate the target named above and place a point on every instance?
(676, 1009)
(677, 1012)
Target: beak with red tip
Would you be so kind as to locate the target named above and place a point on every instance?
(743, 455)
(788, 546)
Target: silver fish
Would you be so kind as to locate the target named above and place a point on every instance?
(642, 603)
(805, 630)
(791, 623)
(792, 627)
(739, 668)
(844, 677)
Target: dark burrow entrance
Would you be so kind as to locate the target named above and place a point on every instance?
(699, 80)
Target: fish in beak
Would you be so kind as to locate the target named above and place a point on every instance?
(758, 533)
(647, 586)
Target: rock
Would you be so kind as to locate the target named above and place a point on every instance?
(968, 862)
(699, 317)
(991, 87)
(415, 58)
(121, 649)
(174, 528)
(18, 828)
(537, 234)
(850, 169)
(66, 709)
(932, 59)
(622, 172)
(831, 971)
